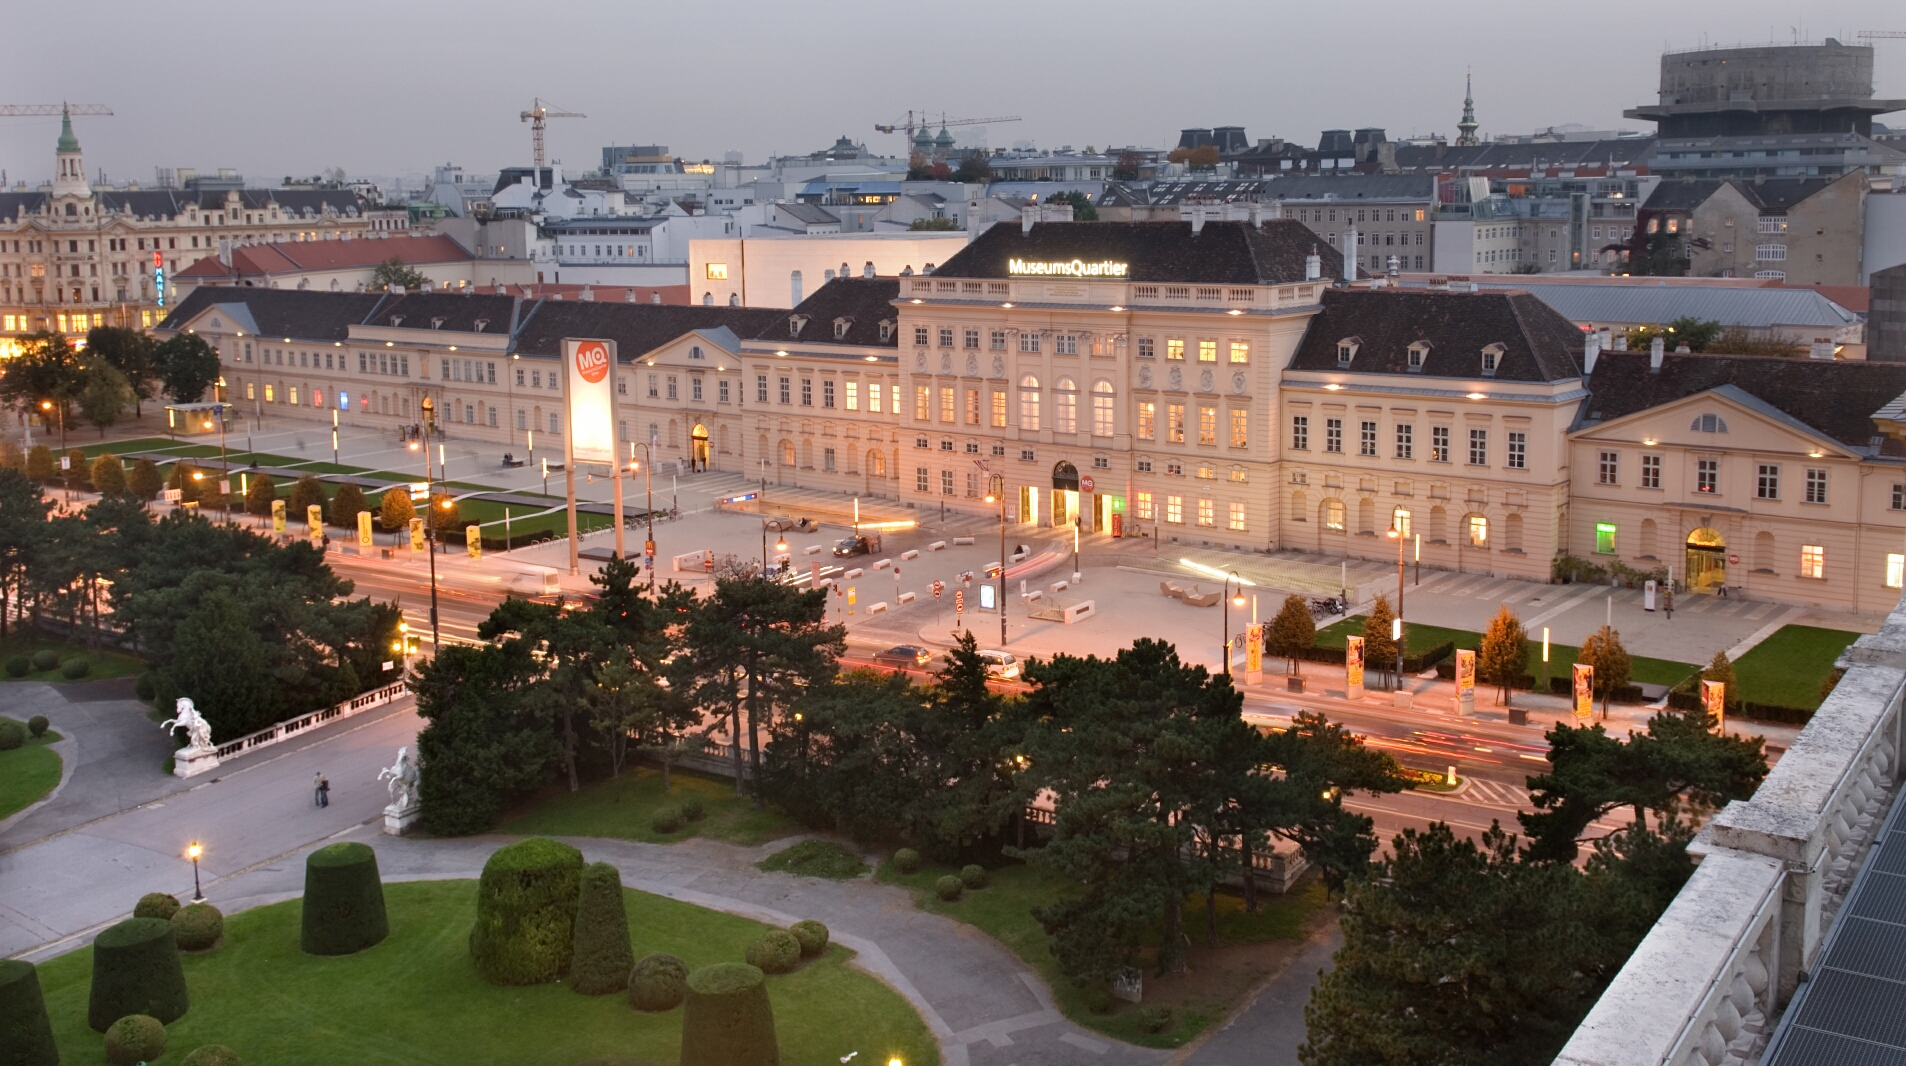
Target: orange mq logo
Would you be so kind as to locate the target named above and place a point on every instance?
(592, 360)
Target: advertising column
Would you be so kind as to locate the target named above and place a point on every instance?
(1584, 691)
(1465, 682)
(314, 518)
(1714, 698)
(1353, 667)
(1254, 654)
(590, 398)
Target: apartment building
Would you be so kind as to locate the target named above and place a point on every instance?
(1804, 231)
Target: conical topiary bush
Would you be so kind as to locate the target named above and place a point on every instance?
(136, 971)
(26, 1036)
(727, 1020)
(602, 958)
(343, 900)
(526, 912)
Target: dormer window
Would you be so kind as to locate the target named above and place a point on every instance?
(886, 329)
(397, 320)
(1490, 357)
(841, 326)
(436, 323)
(1418, 353)
(1347, 350)
(480, 323)
(795, 324)
(1708, 424)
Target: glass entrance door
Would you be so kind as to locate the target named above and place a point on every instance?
(1706, 560)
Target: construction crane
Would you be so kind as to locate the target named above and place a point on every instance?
(536, 114)
(36, 110)
(918, 120)
(1874, 35)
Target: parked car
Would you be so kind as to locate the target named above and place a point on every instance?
(904, 657)
(859, 544)
(1000, 664)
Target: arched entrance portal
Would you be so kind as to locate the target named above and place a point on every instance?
(698, 442)
(1065, 492)
(1707, 560)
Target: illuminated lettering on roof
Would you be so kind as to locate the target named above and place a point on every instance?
(1074, 268)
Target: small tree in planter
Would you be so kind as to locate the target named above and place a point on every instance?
(1503, 653)
(1603, 651)
(1291, 633)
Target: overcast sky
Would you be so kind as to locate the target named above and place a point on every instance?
(276, 88)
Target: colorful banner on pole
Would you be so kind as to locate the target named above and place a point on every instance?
(1254, 649)
(363, 529)
(314, 518)
(1353, 661)
(277, 516)
(1714, 698)
(416, 534)
(589, 390)
(1584, 691)
(1465, 672)
(473, 540)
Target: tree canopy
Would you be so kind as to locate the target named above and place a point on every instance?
(187, 366)
(395, 273)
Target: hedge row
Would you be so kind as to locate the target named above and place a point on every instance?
(1412, 664)
(1684, 700)
(1559, 684)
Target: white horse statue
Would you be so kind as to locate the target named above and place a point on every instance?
(198, 731)
(402, 776)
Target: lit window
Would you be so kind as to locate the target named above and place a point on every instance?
(1175, 423)
(1205, 513)
(1400, 521)
(922, 399)
(1240, 427)
(1175, 509)
(1142, 505)
(1605, 538)
(1813, 561)
(1333, 515)
(1236, 524)
(946, 403)
(1207, 351)
(1240, 352)
(717, 272)
(1895, 570)
(1478, 531)
(1029, 402)
(1207, 425)
(1148, 423)
(1102, 410)
(1174, 348)
(1065, 406)
(853, 394)
(873, 397)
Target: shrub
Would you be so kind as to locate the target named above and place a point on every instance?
(45, 659)
(727, 1020)
(345, 506)
(815, 858)
(812, 935)
(260, 490)
(526, 912)
(144, 479)
(907, 861)
(777, 951)
(1097, 999)
(949, 887)
(75, 668)
(198, 927)
(306, 492)
(109, 474)
(40, 465)
(658, 983)
(143, 688)
(343, 900)
(19, 666)
(602, 955)
(36, 725)
(25, 1030)
(211, 1055)
(692, 809)
(136, 971)
(12, 734)
(134, 1039)
(666, 820)
(1154, 1019)
(156, 905)
(973, 875)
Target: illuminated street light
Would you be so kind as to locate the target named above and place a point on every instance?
(193, 851)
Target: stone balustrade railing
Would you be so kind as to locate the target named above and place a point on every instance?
(376, 697)
(1706, 984)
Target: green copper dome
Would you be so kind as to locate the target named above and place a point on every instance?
(68, 142)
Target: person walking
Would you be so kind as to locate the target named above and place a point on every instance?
(324, 790)
(317, 789)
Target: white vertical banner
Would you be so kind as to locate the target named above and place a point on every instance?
(589, 391)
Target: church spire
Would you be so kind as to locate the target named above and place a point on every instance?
(69, 175)
(1466, 129)
(68, 142)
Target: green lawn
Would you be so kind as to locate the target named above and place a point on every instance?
(28, 772)
(105, 662)
(1003, 910)
(1642, 670)
(1788, 668)
(620, 807)
(415, 999)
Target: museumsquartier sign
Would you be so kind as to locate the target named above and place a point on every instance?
(1073, 268)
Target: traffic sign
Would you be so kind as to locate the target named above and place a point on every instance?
(959, 601)
(1086, 483)
(938, 587)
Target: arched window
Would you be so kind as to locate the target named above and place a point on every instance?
(1400, 521)
(877, 462)
(1029, 402)
(1512, 533)
(1065, 407)
(787, 453)
(1333, 515)
(1477, 527)
(1102, 420)
(1708, 424)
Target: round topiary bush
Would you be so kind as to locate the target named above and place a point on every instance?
(143, 687)
(136, 971)
(973, 875)
(907, 861)
(526, 912)
(156, 905)
(777, 951)
(602, 955)
(658, 983)
(727, 1020)
(812, 935)
(692, 809)
(134, 1039)
(75, 668)
(343, 900)
(26, 1035)
(37, 725)
(12, 734)
(949, 887)
(198, 927)
(211, 1055)
(19, 666)
(45, 659)
(666, 820)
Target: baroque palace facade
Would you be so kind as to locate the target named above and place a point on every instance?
(1202, 383)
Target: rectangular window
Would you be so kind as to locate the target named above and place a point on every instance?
(946, 403)
(1405, 441)
(946, 336)
(1142, 506)
(1065, 344)
(920, 476)
(672, 390)
(721, 391)
(946, 482)
(997, 340)
(1175, 423)
(1605, 538)
(1707, 475)
(920, 336)
(1609, 470)
(1175, 509)
(785, 392)
(695, 390)
(807, 392)
(972, 407)
(827, 392)
(972, 340)
(1207, 351)
(1816, 485)
(1029, 342)
(1236, 524)
(922, 400)
(1146, 349)
(999, 408)
(1895, 570)
(853, 395)
(1240, 352)
(1367, 438)
(761, 388)
(1813, 561)
(1651, 471)
(1207, 425)
(873, 398)
(1333, 435)
(1439, 444)
(1518, 451)
(555, 423)
(1478, 447)
(1240, 427)
(827, 459)
(1300, 433)
(1174, 348)
(1147, 421)
(1207, 516)
(1767, 483)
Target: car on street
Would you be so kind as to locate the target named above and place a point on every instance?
(859, 544)
(1000, 664)
(904, 657)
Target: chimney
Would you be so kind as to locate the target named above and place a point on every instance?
(868, 270)
(1027, 216)
(1621, 342)
(1591, 348)
(225, 251)
(587, 293)
(1656, 349)
(1313, 266)
(628, 296)
(1257, 215)
(655, 297)
(1350, 254)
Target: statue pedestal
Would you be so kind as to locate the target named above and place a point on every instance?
(189, 763)
(398, 820)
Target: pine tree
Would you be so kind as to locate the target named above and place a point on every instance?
(1292, 632)
(1379, 649)
(1603, 651)
(1504, 652)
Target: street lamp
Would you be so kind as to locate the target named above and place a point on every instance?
(996, 493)
(1234, 600)
(430, 412)
(1402, 537)
(648, 468)
(193, 851)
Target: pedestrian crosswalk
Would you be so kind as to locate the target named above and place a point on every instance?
(1495, 792)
